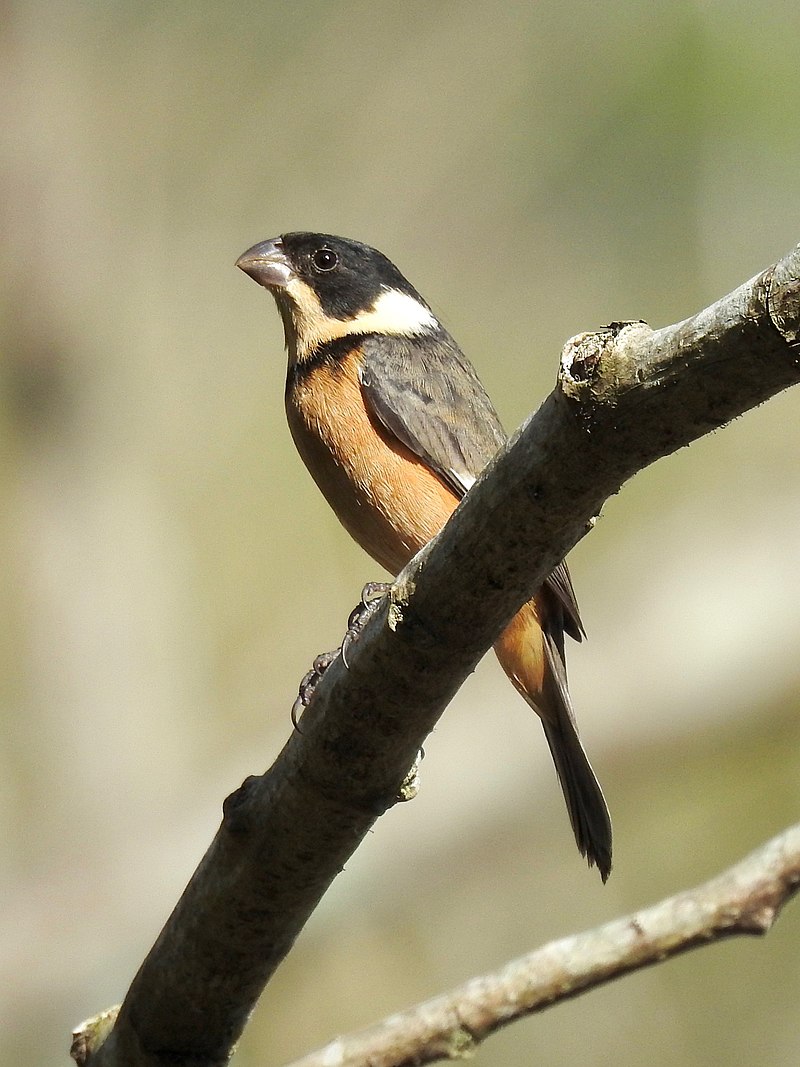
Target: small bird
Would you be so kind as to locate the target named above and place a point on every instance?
(394, 426)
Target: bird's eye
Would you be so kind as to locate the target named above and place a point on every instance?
(325, 259)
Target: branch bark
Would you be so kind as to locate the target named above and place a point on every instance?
(626, 396)
(746, 899)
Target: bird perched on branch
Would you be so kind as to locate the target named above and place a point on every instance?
(394, 426)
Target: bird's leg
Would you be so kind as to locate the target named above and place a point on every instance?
(371, 596)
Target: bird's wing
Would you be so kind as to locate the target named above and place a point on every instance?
(408, 385)
(560, 583)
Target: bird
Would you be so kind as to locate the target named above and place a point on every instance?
(394, 426)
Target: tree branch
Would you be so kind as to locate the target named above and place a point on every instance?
(746, 899)
(625, 397)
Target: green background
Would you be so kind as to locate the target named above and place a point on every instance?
(169, 570)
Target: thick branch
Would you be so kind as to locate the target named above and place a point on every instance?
(746, 899)
(626, 396)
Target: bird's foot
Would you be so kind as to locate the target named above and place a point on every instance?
(371, 596)
(310, 682)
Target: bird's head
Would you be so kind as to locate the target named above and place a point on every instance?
(329, 287)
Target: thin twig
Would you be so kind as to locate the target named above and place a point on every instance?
(746, 899)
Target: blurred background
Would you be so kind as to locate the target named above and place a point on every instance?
(169, 571)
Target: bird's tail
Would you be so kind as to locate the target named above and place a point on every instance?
(531, 652)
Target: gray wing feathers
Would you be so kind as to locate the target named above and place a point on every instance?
(408, 387)
(560, 583)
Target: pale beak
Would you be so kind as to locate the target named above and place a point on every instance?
(266, 263)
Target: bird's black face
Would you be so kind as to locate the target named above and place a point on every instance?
(347, 276)
(328, 287)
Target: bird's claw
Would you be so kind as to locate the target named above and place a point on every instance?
(310, 682)
(371, 596)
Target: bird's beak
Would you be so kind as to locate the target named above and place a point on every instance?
(266, 263)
